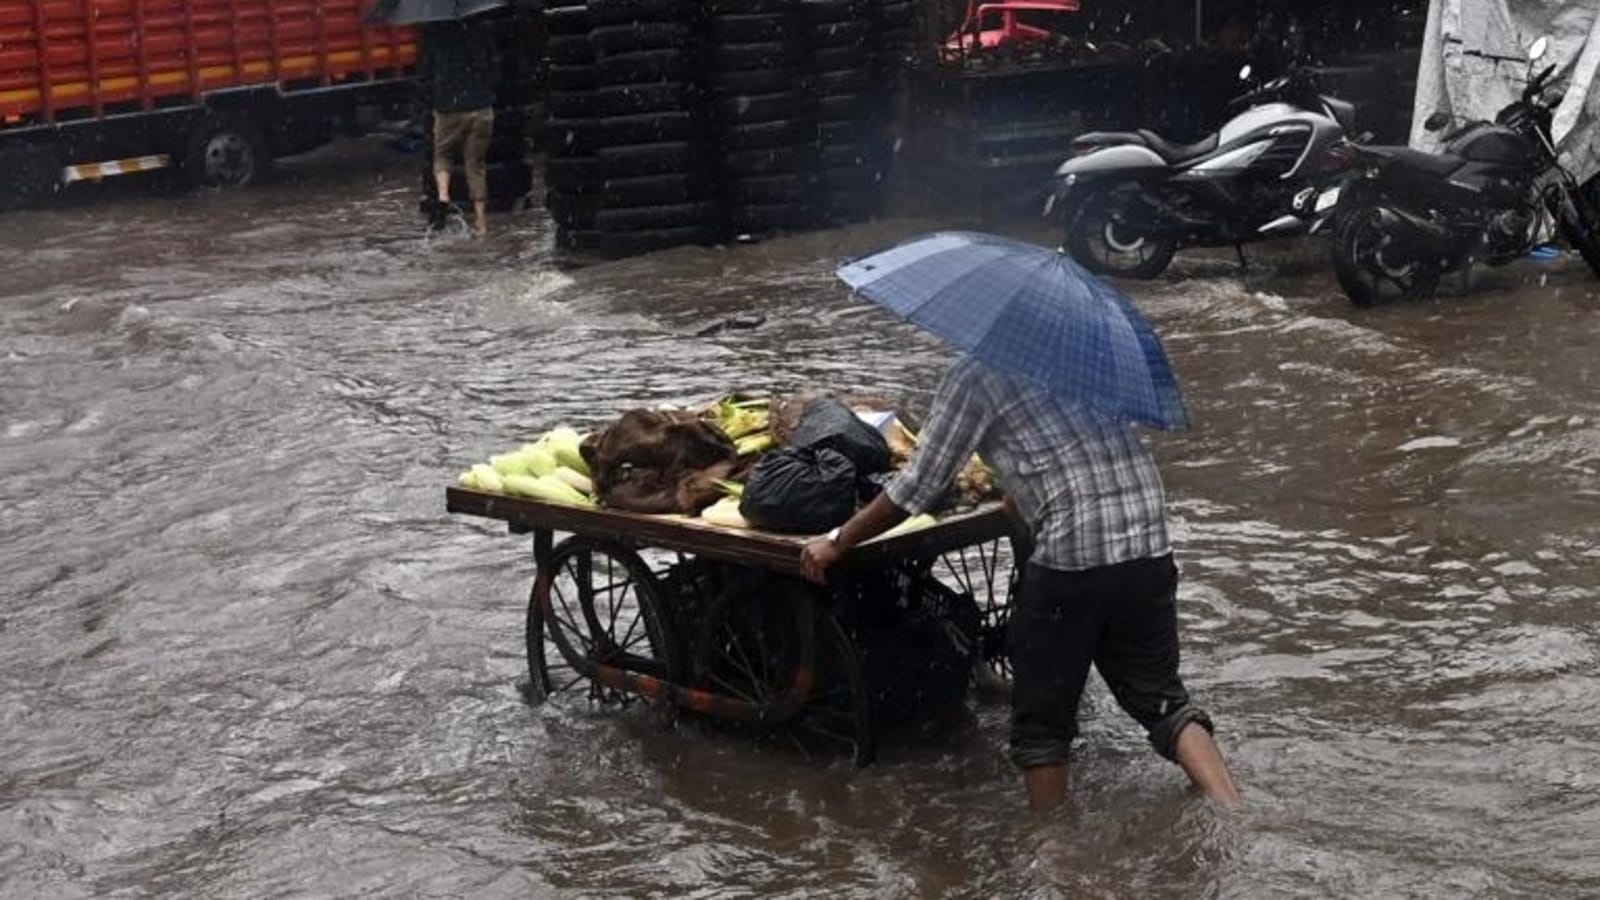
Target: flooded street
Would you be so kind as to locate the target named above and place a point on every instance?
(244, 652)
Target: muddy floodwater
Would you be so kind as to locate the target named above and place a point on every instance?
(244, 652)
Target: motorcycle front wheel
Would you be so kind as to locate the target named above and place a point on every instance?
(1580, 226)
(1372, 269)
(1101, 239)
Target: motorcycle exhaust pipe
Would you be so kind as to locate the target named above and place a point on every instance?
(1416, 235)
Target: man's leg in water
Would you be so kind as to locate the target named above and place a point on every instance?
(1053, 631)
(1138, 658)
(1197, 754)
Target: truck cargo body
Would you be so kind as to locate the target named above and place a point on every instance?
(90, 88)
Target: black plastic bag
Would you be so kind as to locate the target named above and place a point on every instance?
(827, 423)
(801, 490)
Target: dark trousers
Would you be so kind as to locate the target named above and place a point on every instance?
(1122, 618)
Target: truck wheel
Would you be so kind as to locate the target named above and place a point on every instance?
(224, 151)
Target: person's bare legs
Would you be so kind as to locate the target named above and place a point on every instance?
(1196, 752)
(1046, 786)
(442, 181)
(480, 211)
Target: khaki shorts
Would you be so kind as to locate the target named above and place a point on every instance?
(468, 132)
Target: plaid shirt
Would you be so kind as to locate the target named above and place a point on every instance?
(1085, 482)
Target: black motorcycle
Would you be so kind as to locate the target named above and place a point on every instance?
(1405, 218)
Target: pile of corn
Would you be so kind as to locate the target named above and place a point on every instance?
(550, 469)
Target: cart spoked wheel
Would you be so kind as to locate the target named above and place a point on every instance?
(987, 572)
(761, 639)
(597, 603)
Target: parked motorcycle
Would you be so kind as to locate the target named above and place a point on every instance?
(1403, 218)
(1129, 200)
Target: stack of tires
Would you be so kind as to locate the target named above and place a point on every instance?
(572, 171)
(894, 40)
(648, 130)
(842, 64)
(766, 128)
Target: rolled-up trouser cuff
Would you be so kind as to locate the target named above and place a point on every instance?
(1036, 752)
(1164, 733)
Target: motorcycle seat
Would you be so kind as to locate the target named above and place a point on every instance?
(1108, 139)
(1179, 153)
(1439, 164)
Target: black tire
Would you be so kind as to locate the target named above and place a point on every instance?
(843, 83)
(758, 57)
(846, 131)
(850, 33)
(567, 21)
(1580, 226)
(754, 81)
(644, 67)
(853, 178)
(572, 104)
(653, 190)
(754, 29)
(629, 12)
(764, 135)
(32, 175)
(1098, 243)
(1367, 275)
(652, 218)
(847, 156)
(224, 151)
(820, 12)
(750, 7)
(569, 50)
(894, 43)
(764, 189)
(766, 217)
(614, 39)
(576, 175)
(571, 78)
(571, 210)
(637, 99)
(590, 135)
(747, 108)
(842, 106)
(896, 15)
(633, 243)
(839, 59)
(672, 157)
(772, 161)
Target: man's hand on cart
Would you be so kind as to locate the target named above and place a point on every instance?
(821, 553)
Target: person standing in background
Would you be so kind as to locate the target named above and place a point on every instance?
(461, 64)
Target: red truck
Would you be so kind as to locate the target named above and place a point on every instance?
(215, 88)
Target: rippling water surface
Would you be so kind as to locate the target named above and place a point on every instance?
(245, 653)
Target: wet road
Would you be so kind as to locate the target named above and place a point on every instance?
(244, 652)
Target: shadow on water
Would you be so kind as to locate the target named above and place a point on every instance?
(246, 654)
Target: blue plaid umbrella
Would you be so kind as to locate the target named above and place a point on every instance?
(1031, 312)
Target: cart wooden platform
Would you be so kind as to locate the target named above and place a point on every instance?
(693, 616)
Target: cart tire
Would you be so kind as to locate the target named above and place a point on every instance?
(835, 82)
(989, 574)
(821, 11)
(842, 106)
(757, 57)
(628, 100)
(581, 605)
(766, 135)
(772, 161)
(666, 158)
(652, 218)
(769, 189)
(752, 645)
(570, 79)
(653, 190)
(570, 20)
(627, 12)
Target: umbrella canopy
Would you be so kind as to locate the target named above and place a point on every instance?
(417, 12)
(1031, 312)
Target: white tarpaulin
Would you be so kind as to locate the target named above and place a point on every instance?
(1474, 62)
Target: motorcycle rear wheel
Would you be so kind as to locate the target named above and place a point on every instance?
(1367, 275)
(1106, 247)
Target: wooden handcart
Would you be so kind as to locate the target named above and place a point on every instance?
(716, 620)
